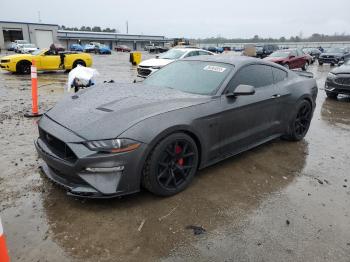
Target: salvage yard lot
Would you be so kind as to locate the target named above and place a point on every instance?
(279, 202)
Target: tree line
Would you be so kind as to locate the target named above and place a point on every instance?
(316, 37)
(89, 29)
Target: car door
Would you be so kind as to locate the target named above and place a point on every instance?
(248, 120)
(301, 58)
(293, 60)
(283, 95)
(50, 61)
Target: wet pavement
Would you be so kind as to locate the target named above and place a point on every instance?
(283, 201)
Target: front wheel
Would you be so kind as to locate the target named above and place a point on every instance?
(171, 165)
(320, 63)
(300, 123)
(23, 67)
(331, 95)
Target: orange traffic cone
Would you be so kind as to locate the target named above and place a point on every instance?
(34, 76)
(4, 257)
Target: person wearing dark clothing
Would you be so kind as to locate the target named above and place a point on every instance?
(62, 56)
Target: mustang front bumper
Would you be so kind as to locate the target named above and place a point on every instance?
(87, 173)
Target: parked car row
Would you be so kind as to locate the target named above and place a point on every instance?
(21, 46)
(150, 66)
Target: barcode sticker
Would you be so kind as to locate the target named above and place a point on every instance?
(218, 69)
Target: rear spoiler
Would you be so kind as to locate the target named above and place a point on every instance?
(304, 73)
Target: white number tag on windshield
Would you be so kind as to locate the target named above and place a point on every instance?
(218, 69)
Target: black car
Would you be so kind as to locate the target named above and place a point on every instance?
(338, 81)
(313, 52)
(334, 55)
(263, 51)
(110, 140)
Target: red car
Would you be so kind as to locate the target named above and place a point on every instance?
(122, 48)
(290, 58)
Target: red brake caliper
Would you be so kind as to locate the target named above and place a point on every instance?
(178, 150)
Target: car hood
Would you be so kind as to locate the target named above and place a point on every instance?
(156, 62)
(106, 111)
(18, 56)
(331, 54)
(344, 69)
(275, 59)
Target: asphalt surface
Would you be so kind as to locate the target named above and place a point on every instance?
(283, 201)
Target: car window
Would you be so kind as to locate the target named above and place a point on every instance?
(293, 53)
(204, 53)
(192, 53)
(299, 52)
(254, 75)
(279, 74)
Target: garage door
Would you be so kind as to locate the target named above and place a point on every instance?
(43, 38)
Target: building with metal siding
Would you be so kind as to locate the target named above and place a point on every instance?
(44, 34)
(39, 34)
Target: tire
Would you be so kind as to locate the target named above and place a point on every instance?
(305, 67)
(320, 63)
(331, 95)
(332, 64)
(23, 67)
(78, 62)
(286, 66)
(171, 165)
(300, 122)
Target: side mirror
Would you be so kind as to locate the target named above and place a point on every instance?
(242, 90)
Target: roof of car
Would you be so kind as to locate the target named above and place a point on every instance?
(228, 59)
(186, 49)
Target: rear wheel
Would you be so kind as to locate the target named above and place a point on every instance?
(23, 67)
(300, 123)
(331, 95)
(78, 62)
(171, 165)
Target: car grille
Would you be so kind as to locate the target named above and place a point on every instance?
(328, 56)
(342, 80)
(143, 71)
(57, 146)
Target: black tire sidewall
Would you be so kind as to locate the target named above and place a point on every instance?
(292, 134)
(156, 154)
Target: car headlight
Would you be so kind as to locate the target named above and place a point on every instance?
(331, 76)
(113, 145)
(5, 61)
(156, 67)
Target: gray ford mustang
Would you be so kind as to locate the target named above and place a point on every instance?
(111, 140)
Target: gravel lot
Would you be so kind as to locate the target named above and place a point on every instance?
(282, 201)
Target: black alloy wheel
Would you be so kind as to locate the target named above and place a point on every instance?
(300, 122)
(171, 165)
(23, 67)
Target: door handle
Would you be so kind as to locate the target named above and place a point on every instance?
(276, 96)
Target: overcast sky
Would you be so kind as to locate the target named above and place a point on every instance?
(197, 19)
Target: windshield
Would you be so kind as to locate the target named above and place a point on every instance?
(335, 50)
(37, 52)
(173, 54)
(280, 54)
(196, 77)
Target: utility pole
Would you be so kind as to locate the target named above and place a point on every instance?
(39, 17)
(127, 27)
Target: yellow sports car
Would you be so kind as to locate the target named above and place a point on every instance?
(45, 60)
